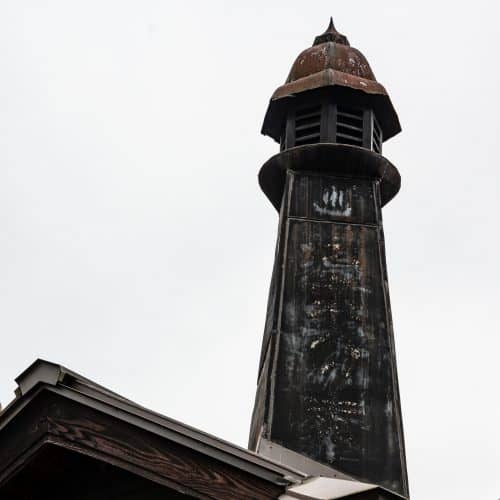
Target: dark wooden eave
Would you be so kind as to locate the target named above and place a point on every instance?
(62, 425)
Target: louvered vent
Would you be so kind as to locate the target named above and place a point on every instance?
(349, 126)
(307, 126)
(377, 137)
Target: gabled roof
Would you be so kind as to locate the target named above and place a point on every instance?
(44, 375)
(63, 422)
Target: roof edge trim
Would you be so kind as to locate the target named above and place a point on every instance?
(39, 372)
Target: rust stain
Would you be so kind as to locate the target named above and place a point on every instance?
(331, 63)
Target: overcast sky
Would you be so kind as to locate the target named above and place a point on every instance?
(136, 247)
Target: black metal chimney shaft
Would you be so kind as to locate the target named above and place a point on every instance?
(327, 397)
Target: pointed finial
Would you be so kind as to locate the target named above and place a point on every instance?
(331, 35)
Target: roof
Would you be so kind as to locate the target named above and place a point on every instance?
(332, 64)
(61, 417)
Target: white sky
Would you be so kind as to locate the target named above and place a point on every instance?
(136, 247)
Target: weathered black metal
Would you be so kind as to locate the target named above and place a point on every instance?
(343, 160)
(315, 116)
(327, 387)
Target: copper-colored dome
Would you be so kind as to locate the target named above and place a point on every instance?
(330, 55)
(332, 62)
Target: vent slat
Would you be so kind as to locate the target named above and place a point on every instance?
(308, 113)
(306, 116)
(306, 126)
(350, 137)
(350, 127)
(350, 123)
(307, 138)
(350, 115)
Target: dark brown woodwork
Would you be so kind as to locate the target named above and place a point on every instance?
(59, 474)
(22, 436)
(51, 420)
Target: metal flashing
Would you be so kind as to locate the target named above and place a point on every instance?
(38, 372)
(326, 488)
(284, 456)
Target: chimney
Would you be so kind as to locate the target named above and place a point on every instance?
(327, 398)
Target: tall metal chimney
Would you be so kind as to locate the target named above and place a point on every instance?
(327, 396)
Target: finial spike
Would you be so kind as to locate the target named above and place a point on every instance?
(331, 35)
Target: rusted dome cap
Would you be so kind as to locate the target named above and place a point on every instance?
(332, 63)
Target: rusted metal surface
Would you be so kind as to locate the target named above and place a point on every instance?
(331, 62)
(333, 56)
(328, 386)
(328, 77)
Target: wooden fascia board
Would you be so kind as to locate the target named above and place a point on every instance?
(116, 436)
